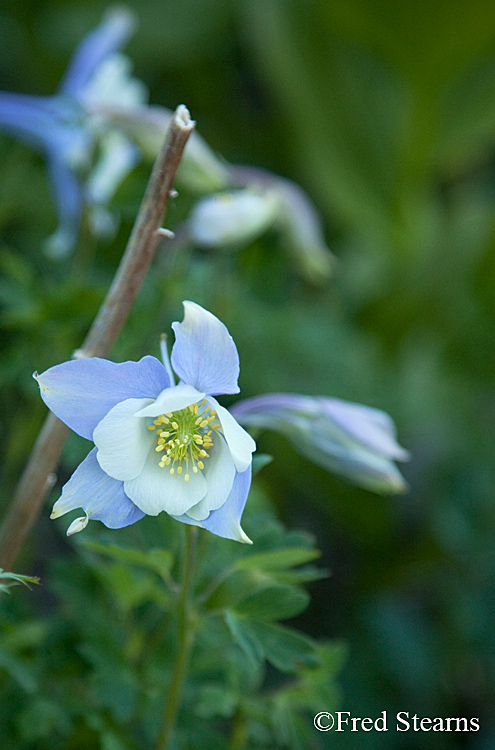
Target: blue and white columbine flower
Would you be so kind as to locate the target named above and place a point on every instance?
(159, 446)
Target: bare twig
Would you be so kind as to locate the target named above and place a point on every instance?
(37, 476)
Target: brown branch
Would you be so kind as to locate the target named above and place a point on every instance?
(38, 474)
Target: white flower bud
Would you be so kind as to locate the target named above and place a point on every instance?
(232, 218)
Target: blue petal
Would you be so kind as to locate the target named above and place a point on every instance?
(102, 497)
(371, 427)
(81, 392)
(69, 197)
(108, 37)
(204, 354)
(226, 520)
(42, 121)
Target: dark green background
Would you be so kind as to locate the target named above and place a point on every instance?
(384, 111)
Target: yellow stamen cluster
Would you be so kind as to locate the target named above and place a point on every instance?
(185, 436)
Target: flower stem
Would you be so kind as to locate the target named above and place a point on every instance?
(141, 246)
(185, 641)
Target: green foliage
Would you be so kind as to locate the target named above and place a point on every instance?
(96, 669)
(16, 578)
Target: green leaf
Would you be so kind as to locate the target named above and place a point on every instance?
(283, 647)
(276, 602)
(304, 574)
(244, 637)
(17, 578)
(158, 560)
(278, 559)
(236, 587)
(216, 700)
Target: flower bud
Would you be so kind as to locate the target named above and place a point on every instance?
(349, 439)
(232, 218)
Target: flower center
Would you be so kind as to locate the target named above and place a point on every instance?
(185, 436)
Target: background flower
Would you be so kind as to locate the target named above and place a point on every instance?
(98, 126)
(353, 440)
(70, 127)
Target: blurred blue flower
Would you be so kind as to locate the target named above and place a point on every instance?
(350, 439)
(98, 125)
(159, 446)
(87, 158)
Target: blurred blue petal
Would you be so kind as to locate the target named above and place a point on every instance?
(51, 123)
(108, 37)
(67, 128)
(69, 196)
(350, 439)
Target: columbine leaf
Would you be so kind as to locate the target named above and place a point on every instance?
(278, 559)
(245, 638)
(283, 647)
(236, 587)
(216, 700)
(17, 578)
(158, 560)
(275, 602)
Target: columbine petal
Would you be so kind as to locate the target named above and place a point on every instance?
(241, 444)
(69, 196)
(41, 121)
(219, 473)
(102, 497)
(369, 426)
(356, 462)
(155, 489)
(78, 525)
(204, 354)
(123, 440)
(226, 520)
(350, 439)
(232, 218)
(107, 38)
(172, 399)
(118, 156)
(81, 392)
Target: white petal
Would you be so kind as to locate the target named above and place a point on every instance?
(78, 525)
(240, 443)
(172, 399)
(155, 489)
(123, 440)
(219, 472)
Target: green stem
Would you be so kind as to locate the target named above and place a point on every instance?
(185, 641)
(239, 734)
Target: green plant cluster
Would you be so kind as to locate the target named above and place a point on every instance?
(95, 671)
